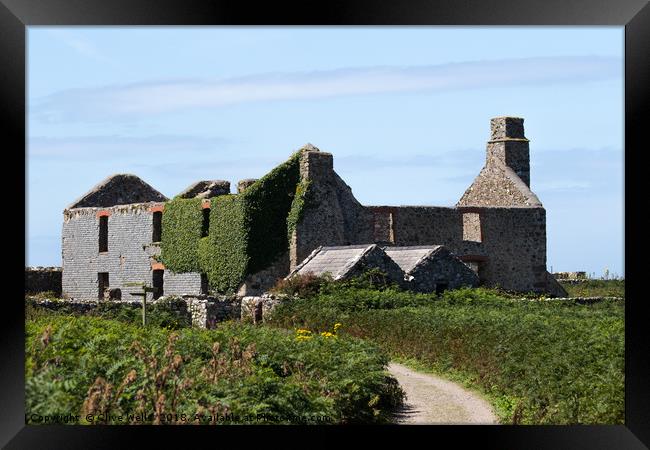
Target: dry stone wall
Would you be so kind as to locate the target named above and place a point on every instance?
(257, 309)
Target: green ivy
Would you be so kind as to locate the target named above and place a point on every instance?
(223, 254)
(300, 202)
(268, 203)
(248, 231)
(181, 230)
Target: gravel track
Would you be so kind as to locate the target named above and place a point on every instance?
(434, 400)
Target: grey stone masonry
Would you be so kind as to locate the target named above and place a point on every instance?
(257, 309)
(208, 311)
(509, 145)
(131, 255)
(120, 189)
(432, 268)
(260, 282)
(242, 185)
(334, 217)
(206, 189)
(182, 283)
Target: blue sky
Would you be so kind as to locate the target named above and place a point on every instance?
(404, 110)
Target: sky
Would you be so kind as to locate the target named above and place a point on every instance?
(404, 110)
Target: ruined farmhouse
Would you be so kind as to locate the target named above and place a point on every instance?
(300, 215)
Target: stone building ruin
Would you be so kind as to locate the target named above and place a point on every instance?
(115, 234)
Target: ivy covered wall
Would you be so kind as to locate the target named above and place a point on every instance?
(182, 220)
(247, 232)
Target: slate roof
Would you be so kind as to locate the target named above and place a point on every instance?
(407, 258)
(338, 261)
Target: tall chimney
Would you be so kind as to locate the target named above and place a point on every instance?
(509, 145)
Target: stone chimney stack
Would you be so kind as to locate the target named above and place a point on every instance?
(509, 145)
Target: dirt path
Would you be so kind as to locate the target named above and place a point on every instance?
(433, 400)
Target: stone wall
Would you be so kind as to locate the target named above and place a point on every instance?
(441, 270)
(260, 282)
(498, 185)
(512, 250)
(182, 283)
(175, 305)
(202, 311)
(207, 311)
(43, 279)
(565, 276)
(257, 309)
(333, 216)
(130, 257)
(375, 258)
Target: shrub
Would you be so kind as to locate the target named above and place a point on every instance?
(90, 365)
(301, 285)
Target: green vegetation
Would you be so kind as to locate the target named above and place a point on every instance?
(223, 253)
(596, 288)
(540, 362)
(300, 202)
(181, 230)
(248, 231)
(95, 366)
(159, 314)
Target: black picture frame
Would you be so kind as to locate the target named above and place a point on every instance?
(16, 15)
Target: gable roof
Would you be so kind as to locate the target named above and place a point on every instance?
(337, 261)
(408, 258)
(499, 185)
(119, 189)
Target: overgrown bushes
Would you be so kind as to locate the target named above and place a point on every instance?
(90, 366)
(541, 362)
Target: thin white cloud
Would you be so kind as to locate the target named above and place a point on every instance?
(78, 44)
(130, 101)
(115, 146)
(562, 185)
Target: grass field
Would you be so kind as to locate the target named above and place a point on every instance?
(596, 288)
